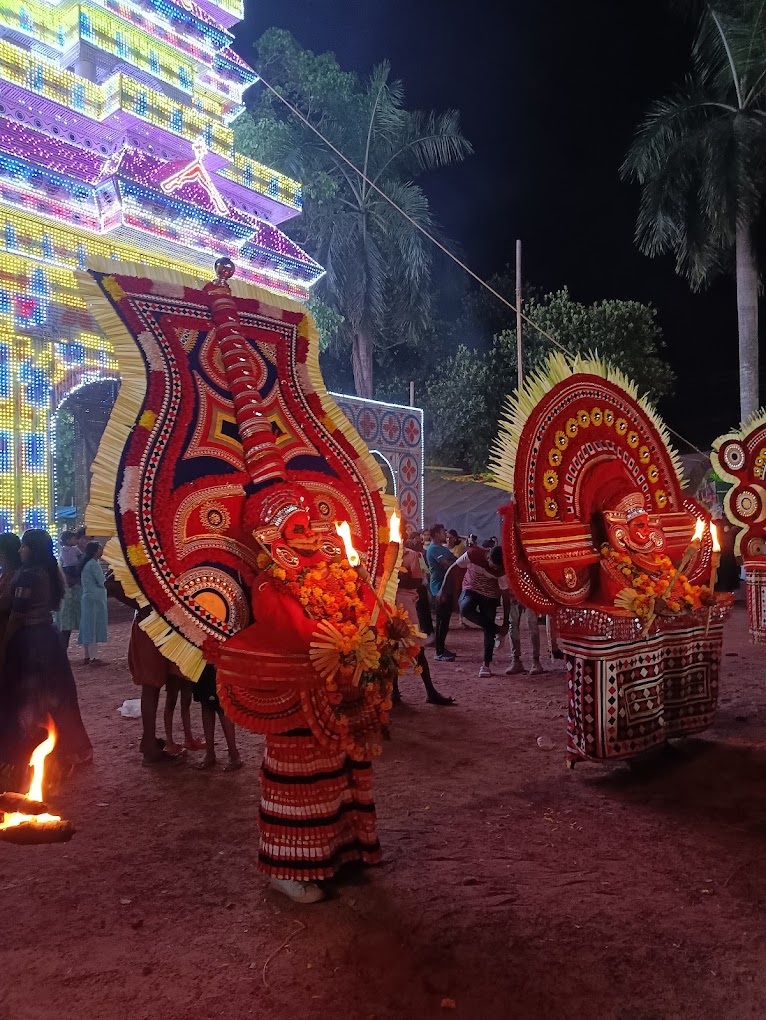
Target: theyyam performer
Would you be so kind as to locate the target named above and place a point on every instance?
(225, 475)
(739, 457)
(601, 537)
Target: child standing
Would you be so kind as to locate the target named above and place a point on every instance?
(93, 613)
(205, 694)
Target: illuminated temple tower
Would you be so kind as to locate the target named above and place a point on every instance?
(115, 139)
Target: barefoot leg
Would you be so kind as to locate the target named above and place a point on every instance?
(172, 687)
(230, 734)
(150, 701)
(208, 728)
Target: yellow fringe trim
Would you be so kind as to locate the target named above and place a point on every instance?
(100, 517)
(522, 403)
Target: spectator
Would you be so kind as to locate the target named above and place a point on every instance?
(37, 678)
(206, 694)
(410, 581)
(484, 586)
(69, 614)
(422, 603)
(93, 613)
(519, 613)
(455, 543)
(439, 560)
(10, 564)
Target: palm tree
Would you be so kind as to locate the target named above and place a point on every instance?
(378, 263)
(700, 157)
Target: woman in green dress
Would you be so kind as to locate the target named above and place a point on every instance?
(93, 613)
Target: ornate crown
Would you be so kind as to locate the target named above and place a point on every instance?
(631, 506)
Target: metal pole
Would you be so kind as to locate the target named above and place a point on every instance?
(519, 357)
(412, 394)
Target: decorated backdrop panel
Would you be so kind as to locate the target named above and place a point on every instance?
(395, 434)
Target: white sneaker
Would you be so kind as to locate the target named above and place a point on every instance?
(298, 892)
(485, 671)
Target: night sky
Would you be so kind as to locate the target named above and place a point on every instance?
(550, 92)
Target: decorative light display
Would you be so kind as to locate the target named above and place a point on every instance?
(115, 141)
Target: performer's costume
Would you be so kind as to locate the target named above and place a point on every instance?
(592, 538)
(740, 458)
(221, 475)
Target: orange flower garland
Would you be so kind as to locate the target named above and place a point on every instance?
(643, 588)
(349, 652)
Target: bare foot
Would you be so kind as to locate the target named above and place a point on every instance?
(234, 765)
(194, 744)
(173, 748)
(207, 762)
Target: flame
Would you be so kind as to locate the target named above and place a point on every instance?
(394, 528)
(37, 764)
(699, 530)
(344, 532)
(714, 536)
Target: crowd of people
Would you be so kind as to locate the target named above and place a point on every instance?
(45, 600)
(464, 577)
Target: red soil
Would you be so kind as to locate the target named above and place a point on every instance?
(511, 887)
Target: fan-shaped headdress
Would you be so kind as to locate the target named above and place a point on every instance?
(582, 452)
(222, 432)
(740, 458)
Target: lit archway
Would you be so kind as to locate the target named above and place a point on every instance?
(77, 426)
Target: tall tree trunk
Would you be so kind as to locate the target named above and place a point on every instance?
(361, 361)
(747, 316)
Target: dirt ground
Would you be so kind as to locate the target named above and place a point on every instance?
(511, 887)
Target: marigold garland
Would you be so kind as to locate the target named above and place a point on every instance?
(643, 588)
(350, 652)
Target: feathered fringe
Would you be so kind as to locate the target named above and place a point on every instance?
(101, 514)
(522, 403)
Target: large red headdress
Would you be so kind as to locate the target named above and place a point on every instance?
(223, 441)
(588, 461)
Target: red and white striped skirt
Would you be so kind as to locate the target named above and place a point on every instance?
(317, 811)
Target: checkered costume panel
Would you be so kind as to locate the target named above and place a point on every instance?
(628, 697)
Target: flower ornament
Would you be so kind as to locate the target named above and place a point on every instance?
(633, 439)
(647, 590)
(551, 507)
(561, 440)
(608, 417)
(353, 656)
(597, 416)
(555, 458)
(550, 480)
(571, 427)
(644, 455)
(340, 649)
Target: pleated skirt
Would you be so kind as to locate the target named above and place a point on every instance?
(317, 812)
